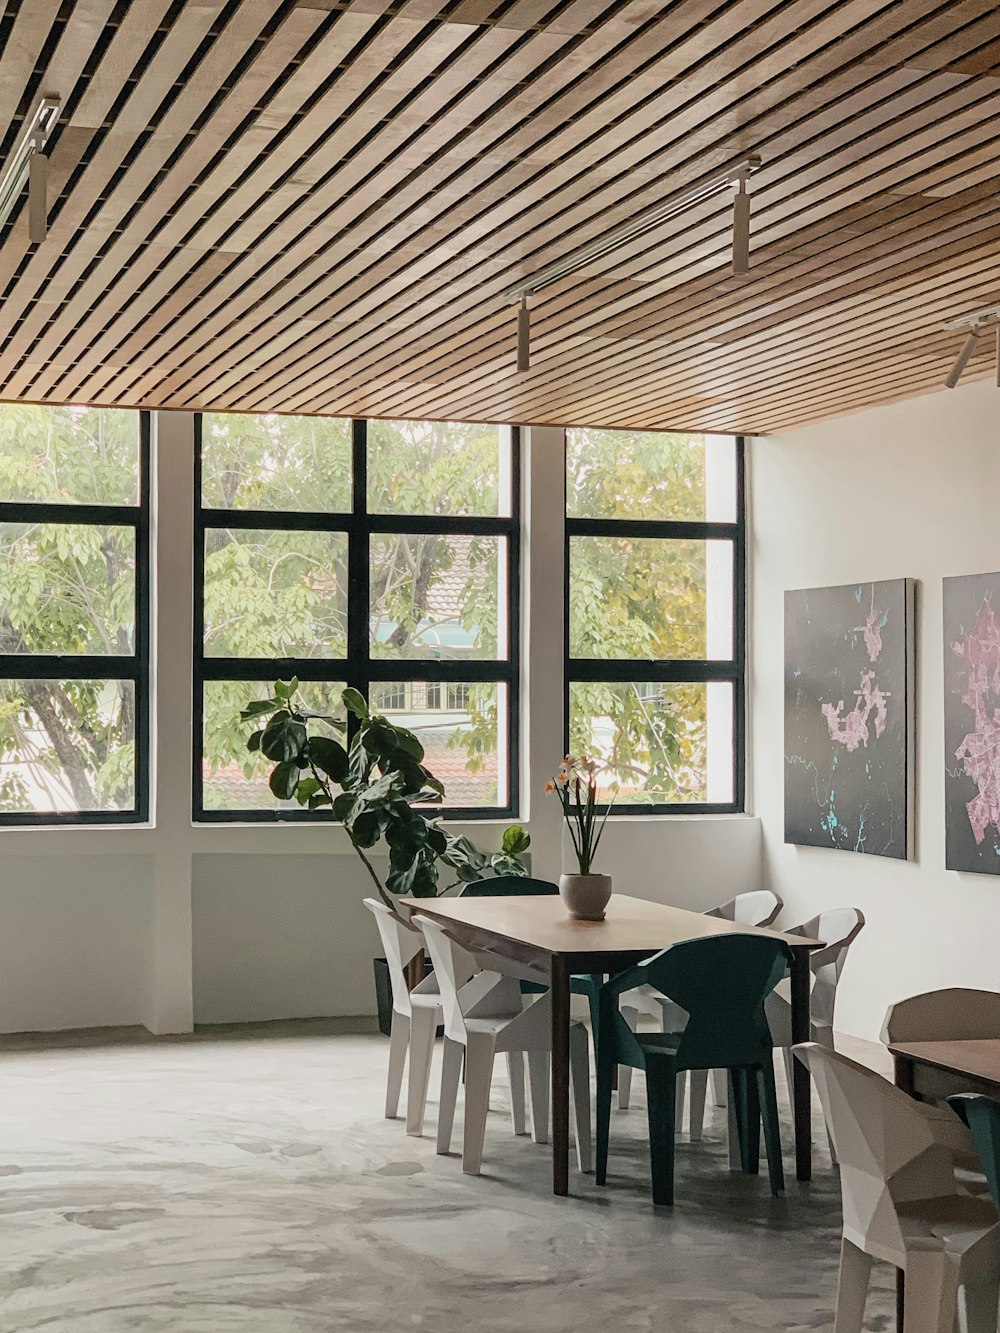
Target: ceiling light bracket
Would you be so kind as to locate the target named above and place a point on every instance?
(27, 164)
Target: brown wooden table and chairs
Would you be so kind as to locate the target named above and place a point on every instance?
(536, 933)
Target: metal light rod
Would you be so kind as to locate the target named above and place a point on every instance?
(708, 189)
(962, 360)
(20, 165)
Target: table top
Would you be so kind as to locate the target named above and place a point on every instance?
(632, 925)
(977, 1059)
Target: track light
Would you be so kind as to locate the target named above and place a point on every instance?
(977, 323)
(523, 337)
(736, 175)
(28, 164)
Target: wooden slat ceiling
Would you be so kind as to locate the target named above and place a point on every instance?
(319, 206)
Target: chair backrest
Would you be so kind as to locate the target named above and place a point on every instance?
(982, 1117)
(453, 968)
(721, 982)
(401, 943)
(891, 1149)
(508, 886)
(758, 908)
(944, 1015)
(837, 928)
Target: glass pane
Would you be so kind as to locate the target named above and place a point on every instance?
(232, 777)
(643, 598)
(463, 729)
(275, 594)
(276, 462)
(650, 475)
(657, 742)
(67, 588)
(438, 467)
(69, 455)
(67, 745)
(438, 597)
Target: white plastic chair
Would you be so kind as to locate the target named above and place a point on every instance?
(756, 908)
(901, 1203)
(838, 928)
(416, 1015)
(485, 1015)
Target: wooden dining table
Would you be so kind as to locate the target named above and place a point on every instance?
(539, 932)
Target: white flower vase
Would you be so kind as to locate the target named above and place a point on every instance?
(585, 896)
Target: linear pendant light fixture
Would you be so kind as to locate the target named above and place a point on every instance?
(28, 163)
(735, 177)
(977, 324)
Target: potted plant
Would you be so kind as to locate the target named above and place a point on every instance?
(371, 786)
(585, 894)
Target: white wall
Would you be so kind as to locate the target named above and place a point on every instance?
(171, 924)
(905, 491)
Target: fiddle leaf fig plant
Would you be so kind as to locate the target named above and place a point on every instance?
(371, 786)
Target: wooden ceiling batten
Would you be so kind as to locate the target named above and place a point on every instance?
(318, 206)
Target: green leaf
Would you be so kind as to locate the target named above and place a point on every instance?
(253, 741)
(258, 706)
(283, 780)
(354, 703)
(329, 756)
(409, 744)
(343, 806)
(515, 840)
(366, 828)
(306, 790)
(283, 740)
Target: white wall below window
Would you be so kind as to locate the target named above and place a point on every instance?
(905, 491)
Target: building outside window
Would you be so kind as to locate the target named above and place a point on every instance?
(74, 615)
(654, 616)
(379, 554)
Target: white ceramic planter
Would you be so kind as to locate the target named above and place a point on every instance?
(585, 896)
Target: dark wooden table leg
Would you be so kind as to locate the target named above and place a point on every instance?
(801, 1085)
(560, 1075)
(902, 1069)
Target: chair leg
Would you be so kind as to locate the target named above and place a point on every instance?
(743, 1091)
(789, 1063)
(478, 1077)
(515, 1077)
(719, 1082)
(931, 1292)
(698, 1083)
(852, 1288)
(399, 1039)
(451, 1072)
(732, 1126)
(660, 1102)
(423, 1028)
(680, 1097)
(605, 1091)
(768, 1099)
(538, 1089)
(979, 1308)
(631, 1017)
(579, 1059)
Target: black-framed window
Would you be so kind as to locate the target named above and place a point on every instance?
(655, 617)
(379, 554)
(74, 615)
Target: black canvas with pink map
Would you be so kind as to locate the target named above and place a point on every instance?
(847, 704)
(972, 723)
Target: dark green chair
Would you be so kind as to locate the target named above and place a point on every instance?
(512, 886)
(721, 983)
(981, 1115)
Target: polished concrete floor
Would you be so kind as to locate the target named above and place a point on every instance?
(246, 1180)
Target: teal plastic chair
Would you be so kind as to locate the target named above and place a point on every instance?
(721, 983)
(981, 1115)
(512, 886)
